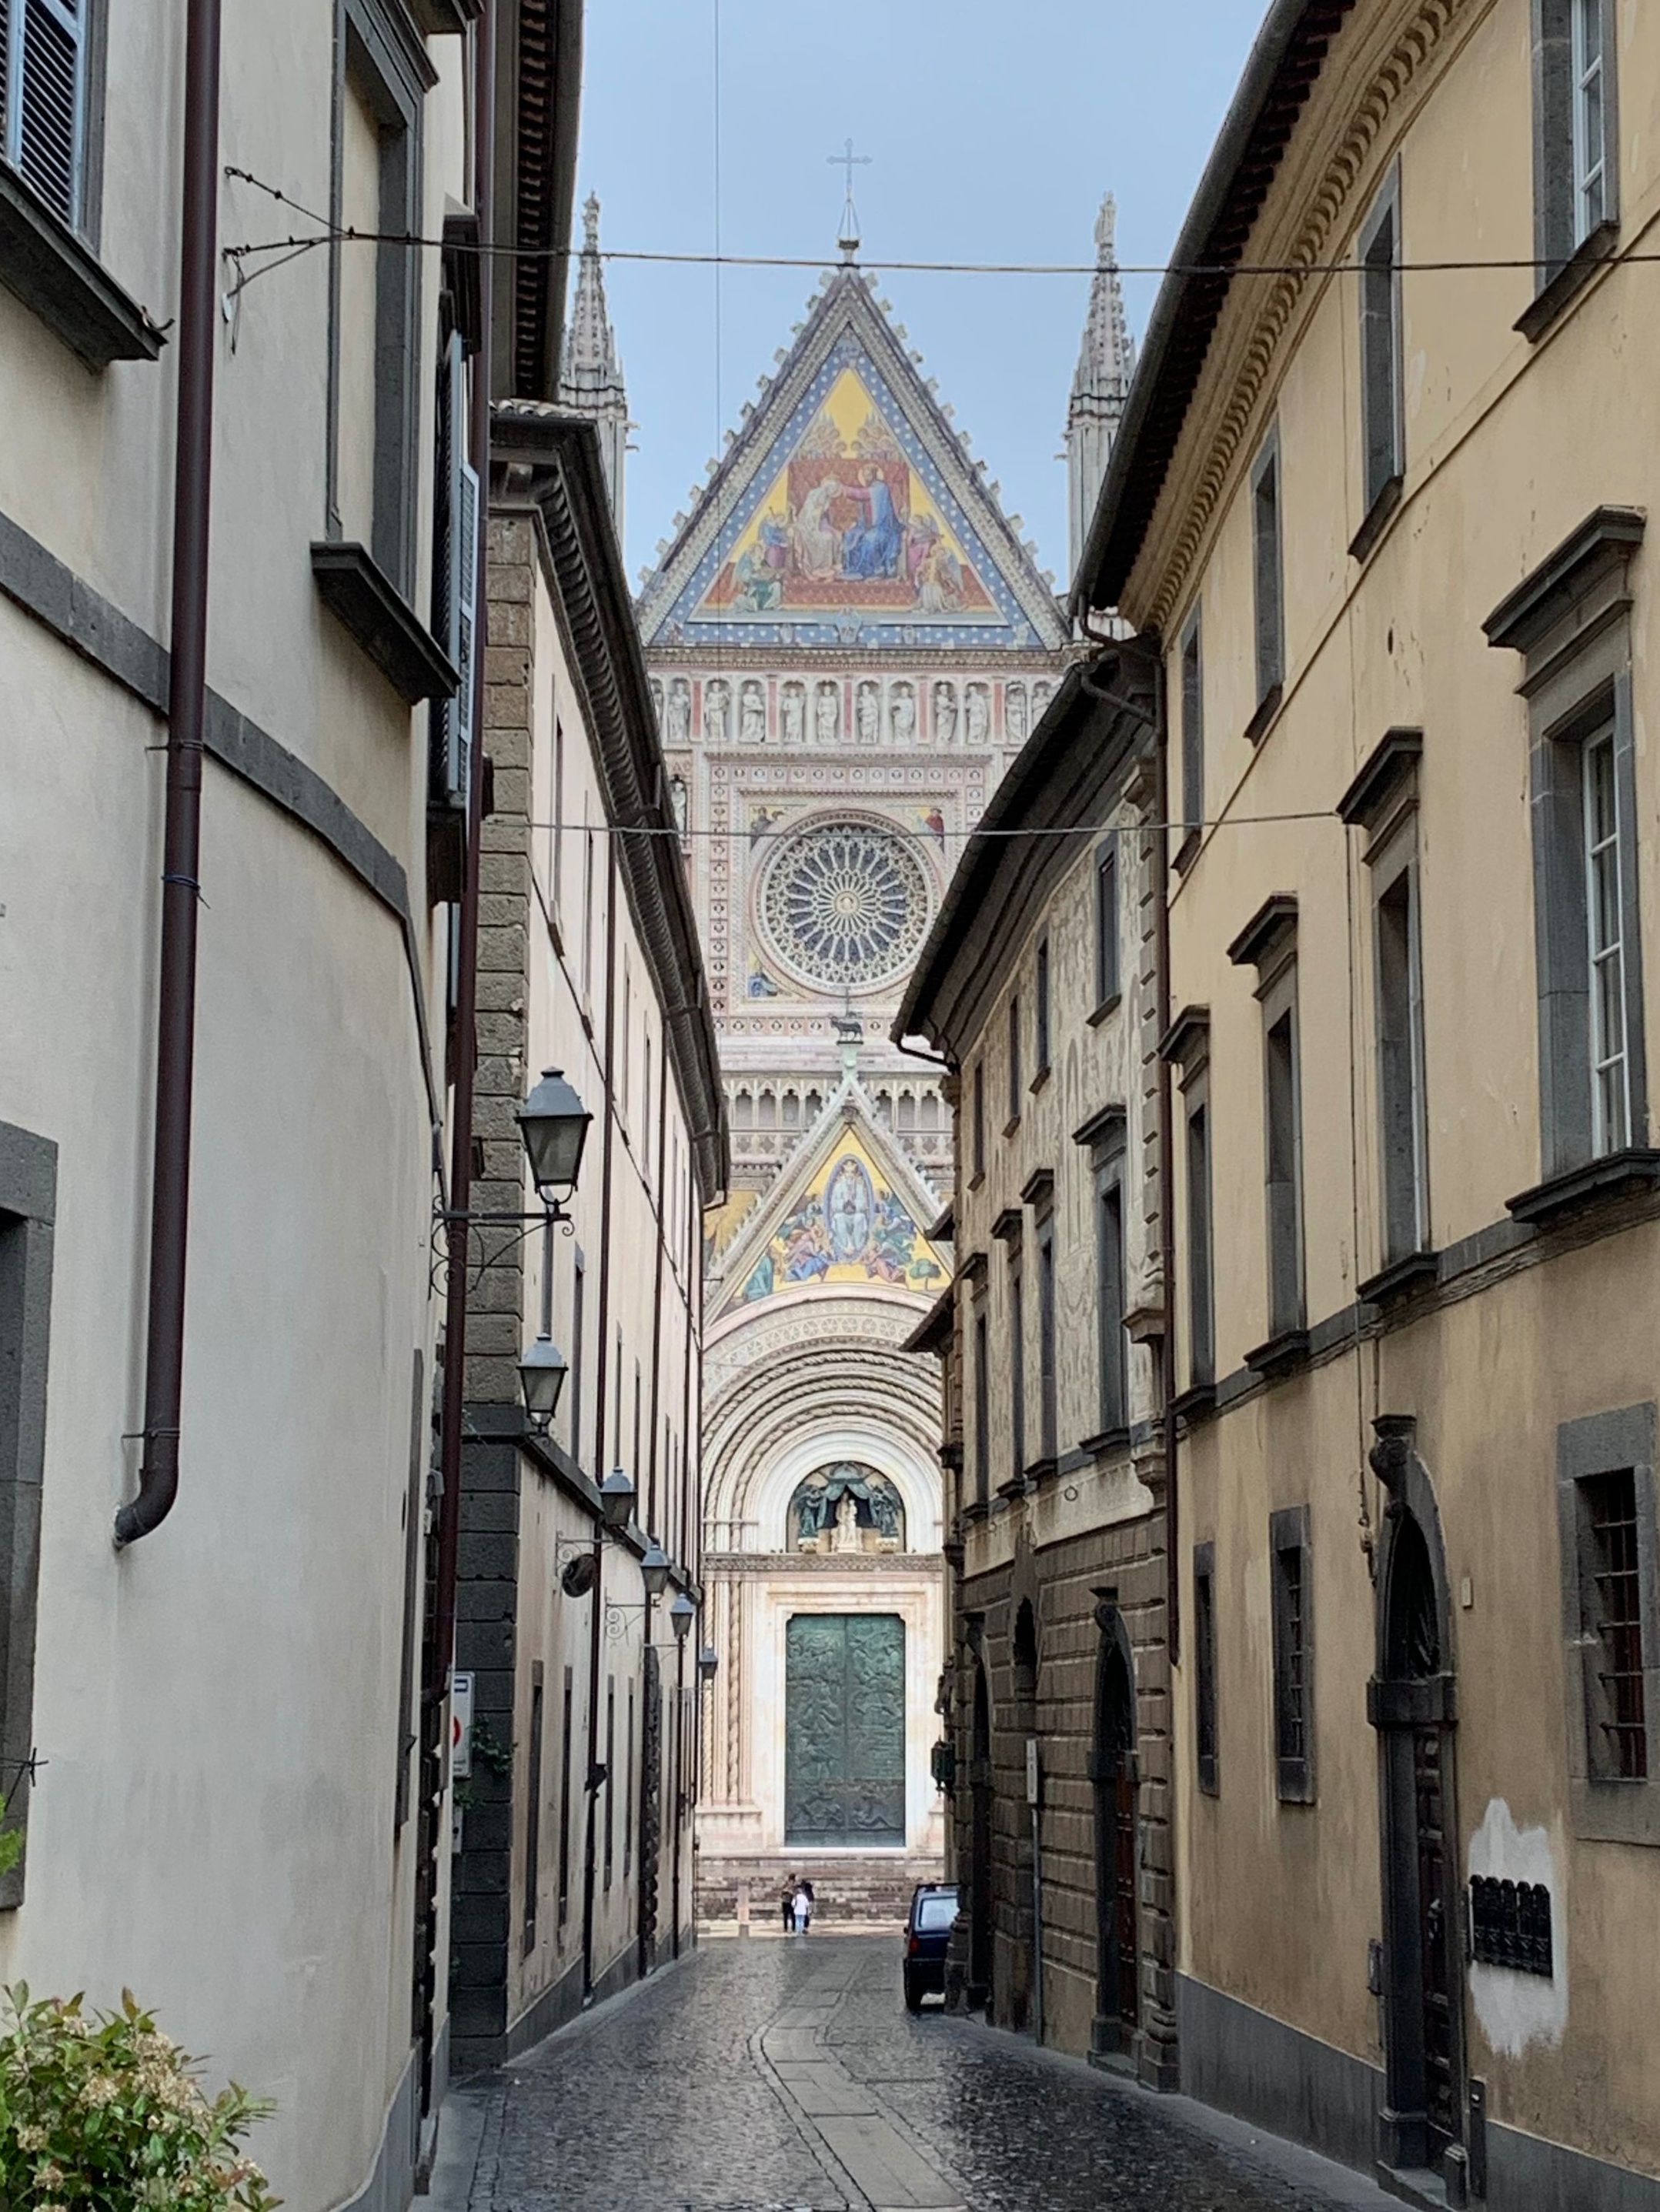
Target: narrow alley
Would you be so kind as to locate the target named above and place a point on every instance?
(788, 2077)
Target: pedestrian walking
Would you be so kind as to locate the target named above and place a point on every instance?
(802, 1907)
(788, 1902)
(812, 1899)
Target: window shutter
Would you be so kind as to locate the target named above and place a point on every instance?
(455, 578)
(42, 83)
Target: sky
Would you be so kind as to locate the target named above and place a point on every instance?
(992, 133)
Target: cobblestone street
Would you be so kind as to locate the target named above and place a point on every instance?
(779, 2077)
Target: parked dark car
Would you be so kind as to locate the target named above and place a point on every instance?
(928, 1930)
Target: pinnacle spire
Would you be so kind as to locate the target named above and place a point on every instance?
(590, 374)
(1106, 360)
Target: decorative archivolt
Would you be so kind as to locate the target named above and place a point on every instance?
(1412, 50)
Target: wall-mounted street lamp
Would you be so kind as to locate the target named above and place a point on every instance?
(554, 1124)
(709, 1659)
(682, 1613)
(542, 1373)
(654, 1571)
(616, 1495)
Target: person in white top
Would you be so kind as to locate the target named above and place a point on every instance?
(803, 1907)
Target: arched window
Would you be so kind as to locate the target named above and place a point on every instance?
(847, 1507)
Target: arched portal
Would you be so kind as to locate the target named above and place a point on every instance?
(1113, 1773)
(1411, 1701)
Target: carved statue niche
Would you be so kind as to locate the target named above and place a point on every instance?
(847, 1508)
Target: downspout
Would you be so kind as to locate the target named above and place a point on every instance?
(175, 1043)
(596, 1651)
(441, 1647)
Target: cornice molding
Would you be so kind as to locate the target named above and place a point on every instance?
(1414, 49)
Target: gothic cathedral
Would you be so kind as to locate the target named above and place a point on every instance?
(847, 643)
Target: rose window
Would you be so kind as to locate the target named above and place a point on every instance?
(846, 904)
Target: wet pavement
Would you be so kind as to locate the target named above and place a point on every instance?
(788, 2077)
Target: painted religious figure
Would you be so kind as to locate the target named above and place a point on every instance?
(848, 1210)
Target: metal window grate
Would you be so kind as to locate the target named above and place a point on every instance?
(1293, 1700)
(1618, 1622)
(1511, 1925)
(1605, 948)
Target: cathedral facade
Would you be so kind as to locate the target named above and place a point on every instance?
(848, 643)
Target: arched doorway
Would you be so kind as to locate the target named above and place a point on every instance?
(1412, 1706)
(1113, 1773)
(980, 1817)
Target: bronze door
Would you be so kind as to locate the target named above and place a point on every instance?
(844, 1729)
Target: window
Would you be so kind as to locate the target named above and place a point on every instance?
(1109, 1234)
(414, 1530)
(1048, 1420)
(455, 592)
(977, 1117)
(1204, 1665)
(1014, 1059)
(1201, 1305)
(1611, 1623)
(1284, 1171)
(1293, 1656)
(1402, 1130)
(28, 1180)
(1267, 571)
(616, 1439)
(1041, 1009)
(44, 50)
(610, 1774)
(564, 1800)
(1593, 1105)
(1383, 426)
(1017, 1365)
(1193, 726)
(981, 1405)
(375, 289)
(557, 833)
(625, 1041)
(533, 1808)
(579, 1285)
(1576, 137)
(1106, 922)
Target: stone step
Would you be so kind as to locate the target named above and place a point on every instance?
(876, 1894)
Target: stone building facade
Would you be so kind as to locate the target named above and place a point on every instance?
(574, 1873)
(1387, 531)
(1039, 983)
(848, 643)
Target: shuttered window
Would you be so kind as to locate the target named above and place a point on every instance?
(43, 67)
(454, 576)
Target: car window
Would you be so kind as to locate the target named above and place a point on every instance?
(933, 1913)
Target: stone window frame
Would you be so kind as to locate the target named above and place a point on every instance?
(1009, 1229)
(1288, 1536)
(1568, 251)
(1108, 964)
(1571, 622)
(1383, 379)
(1012, 1068)
(1041, 1014)
(980, 1331)
(1603, 1808)
(28, 1210)
(1190, 667)
(1269, 943)
(1185, 1046)
(1207, 1717)
(1040, 1195)
(1268, 539)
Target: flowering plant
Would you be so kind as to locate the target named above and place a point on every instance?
(102, 2112)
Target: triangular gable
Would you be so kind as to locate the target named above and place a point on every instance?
(848, 1210)
(849, 514)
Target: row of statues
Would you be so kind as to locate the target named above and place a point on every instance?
(812, 713)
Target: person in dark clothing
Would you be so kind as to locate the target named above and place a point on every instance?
(788, 1902)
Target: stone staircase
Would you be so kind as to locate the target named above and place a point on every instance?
(851, 1897)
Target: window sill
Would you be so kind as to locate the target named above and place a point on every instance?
(1257, 728)
(1038, 1081)
(60, 280)
(1011, 1125)
(1196, 1404)
(1016, 1486)
(1281, 1355)
(1402, 1280)
(1378, 515)
(1570, 279)
(438, 17)
(1597, 1183)
(1294, 1786)
(362, 599)
(1105, 1011)
(977, 1509)
(1186, 852)
(1208, 1781)
(977, 1178)
(1041, 1470)
(1108, 1445)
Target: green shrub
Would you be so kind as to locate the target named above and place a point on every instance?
(102, 2112)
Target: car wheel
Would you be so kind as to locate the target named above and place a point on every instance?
(913, 1995)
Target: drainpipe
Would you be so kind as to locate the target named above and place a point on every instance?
(441, 1648)
(175, 1041)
